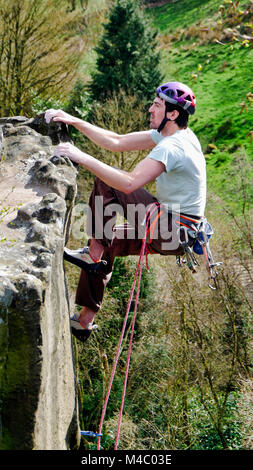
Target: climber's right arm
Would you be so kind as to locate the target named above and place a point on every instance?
(102, 137)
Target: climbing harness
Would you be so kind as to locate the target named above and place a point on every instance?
(138, 272)
(196, 241)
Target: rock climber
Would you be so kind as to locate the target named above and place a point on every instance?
(175, 160)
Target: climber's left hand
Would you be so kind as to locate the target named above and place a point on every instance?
(69, 150)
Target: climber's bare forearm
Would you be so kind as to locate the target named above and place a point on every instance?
(103, 137)
(115, 142)
(147, 170)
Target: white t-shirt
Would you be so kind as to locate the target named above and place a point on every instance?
(182, 186)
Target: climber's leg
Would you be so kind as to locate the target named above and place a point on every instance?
(106, 202)
(86, 317)
(79, 331)
(91, 286)
(96, 249)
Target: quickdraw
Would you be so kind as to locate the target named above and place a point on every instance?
(200, 231)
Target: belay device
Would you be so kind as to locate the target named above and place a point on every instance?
(197, 242)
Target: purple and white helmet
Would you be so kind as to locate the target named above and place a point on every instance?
(178, 93)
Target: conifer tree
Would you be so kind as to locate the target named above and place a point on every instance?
(127, 58)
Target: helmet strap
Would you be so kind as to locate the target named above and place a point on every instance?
(164, 121)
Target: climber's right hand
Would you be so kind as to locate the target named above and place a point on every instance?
(58, 115)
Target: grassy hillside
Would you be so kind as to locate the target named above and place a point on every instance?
(205, 47)
(183, 13)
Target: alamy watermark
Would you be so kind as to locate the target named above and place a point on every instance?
(130, 223)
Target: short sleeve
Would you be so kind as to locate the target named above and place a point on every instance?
(168, 155)
(155, 136)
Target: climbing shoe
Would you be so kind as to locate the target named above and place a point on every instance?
(82, 334)
(82, 258)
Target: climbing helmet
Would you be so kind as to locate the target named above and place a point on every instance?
(178, 93)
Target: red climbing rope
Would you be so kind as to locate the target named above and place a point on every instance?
(143, 252)
(117, 356)
(130, 346)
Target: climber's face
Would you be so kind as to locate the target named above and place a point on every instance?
(157, 112)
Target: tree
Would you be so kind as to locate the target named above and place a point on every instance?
(39, 51)
(127, 58)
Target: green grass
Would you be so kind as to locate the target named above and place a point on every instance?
(220, 88)
(184, 13)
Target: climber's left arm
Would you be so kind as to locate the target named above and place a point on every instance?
(144, 172)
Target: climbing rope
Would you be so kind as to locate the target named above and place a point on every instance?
(138, 272)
